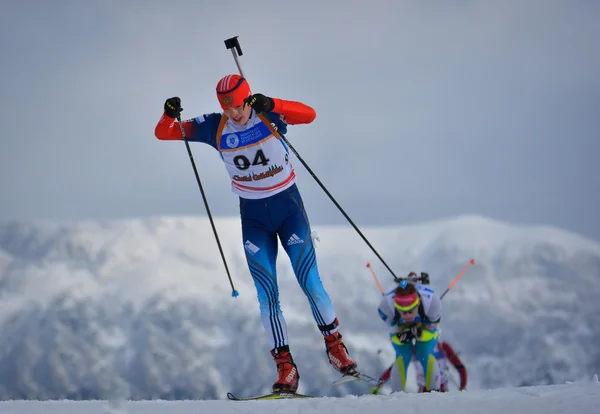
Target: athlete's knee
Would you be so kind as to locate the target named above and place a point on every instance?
(312, 285)
(267, 294)
(269, 304)
(305, 269)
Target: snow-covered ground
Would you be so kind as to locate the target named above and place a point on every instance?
(580, 398)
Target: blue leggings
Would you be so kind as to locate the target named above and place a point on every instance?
(263, 220)
(424, 352)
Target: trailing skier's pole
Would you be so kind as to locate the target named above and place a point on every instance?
(234, 292)
(376, 280)
(462, 272)
(234, 45)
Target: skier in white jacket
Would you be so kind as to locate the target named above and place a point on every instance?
(412, 313)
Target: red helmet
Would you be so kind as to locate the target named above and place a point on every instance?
(232, 90)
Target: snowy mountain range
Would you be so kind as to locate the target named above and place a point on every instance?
(142, 308)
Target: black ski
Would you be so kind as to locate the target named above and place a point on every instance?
(281, 395)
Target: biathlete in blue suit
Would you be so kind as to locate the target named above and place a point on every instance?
(246, 136)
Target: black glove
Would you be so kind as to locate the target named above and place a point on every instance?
(405, 336)
(173, 107)
(260, 103)
(416, 331)
(409, 333)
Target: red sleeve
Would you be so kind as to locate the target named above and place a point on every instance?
(455, 360)
(294, 112)
(168, 129)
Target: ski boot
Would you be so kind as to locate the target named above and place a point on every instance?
(288, 378)
(338, 354)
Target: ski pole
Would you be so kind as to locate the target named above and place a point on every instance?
(234, 292)
(234, 45)
(376, 280)
(462, 272)
(417, 278)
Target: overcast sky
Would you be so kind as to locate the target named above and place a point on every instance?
(425, 109)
